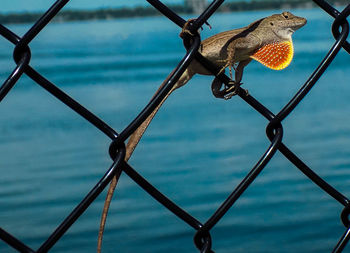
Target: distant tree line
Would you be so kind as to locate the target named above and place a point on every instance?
(271, 4)
(71, 15)
(265, 5)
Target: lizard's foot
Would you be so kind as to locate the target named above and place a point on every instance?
(232, 90)
(185, 28)
(228, 92)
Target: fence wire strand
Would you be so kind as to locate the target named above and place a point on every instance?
(274, 129)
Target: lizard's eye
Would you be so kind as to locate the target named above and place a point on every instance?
(271, 23)
(285, 15)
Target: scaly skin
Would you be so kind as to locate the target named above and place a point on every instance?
(225, 50)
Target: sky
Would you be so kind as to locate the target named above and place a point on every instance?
(42, 5)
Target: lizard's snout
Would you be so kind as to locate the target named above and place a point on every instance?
(301, 22)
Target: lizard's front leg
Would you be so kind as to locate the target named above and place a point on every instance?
(229, 61)
(232, 89)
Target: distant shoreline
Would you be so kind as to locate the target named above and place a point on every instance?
(103, 14)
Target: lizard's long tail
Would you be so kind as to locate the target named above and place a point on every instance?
(130, 147)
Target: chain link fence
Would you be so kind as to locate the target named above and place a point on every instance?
(274, 130)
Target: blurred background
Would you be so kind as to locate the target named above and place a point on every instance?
(196, 150)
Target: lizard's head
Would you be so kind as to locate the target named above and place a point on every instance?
(284, 24)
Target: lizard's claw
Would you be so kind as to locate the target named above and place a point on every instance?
(228, 92)
(231, 90)
(206, 22)
(185, 28)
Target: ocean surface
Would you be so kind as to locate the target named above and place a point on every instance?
(196, 151)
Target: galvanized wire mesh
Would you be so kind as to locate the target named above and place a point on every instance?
(274, 129)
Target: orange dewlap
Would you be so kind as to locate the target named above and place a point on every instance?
(276, 55)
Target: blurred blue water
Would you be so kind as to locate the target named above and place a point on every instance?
(196, 151)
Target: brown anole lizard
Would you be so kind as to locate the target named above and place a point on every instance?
(268, 40)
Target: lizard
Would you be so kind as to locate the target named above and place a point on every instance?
(267, 40)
